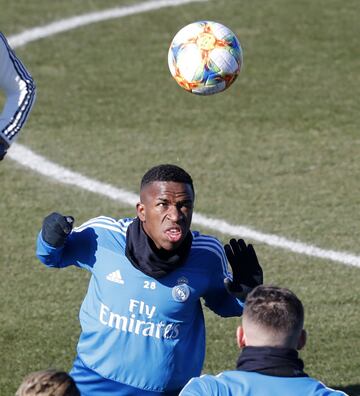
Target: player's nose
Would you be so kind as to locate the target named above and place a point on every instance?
(174, 213)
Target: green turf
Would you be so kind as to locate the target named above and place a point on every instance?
(278, 152)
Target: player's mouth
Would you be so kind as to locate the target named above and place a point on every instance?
(174, 234)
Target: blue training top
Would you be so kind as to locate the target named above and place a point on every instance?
(136, 330)
(244, 383)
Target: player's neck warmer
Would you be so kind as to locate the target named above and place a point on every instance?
(144, 255)
(278, 362)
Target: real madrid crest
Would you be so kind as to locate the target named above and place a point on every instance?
(181, 292)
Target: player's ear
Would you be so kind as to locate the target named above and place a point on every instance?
(302, 340)
(140, 210)
(240, 337)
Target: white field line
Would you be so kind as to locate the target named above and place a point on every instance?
(39, 164)
(64, 25)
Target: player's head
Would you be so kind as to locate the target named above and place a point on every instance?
(272, 316)
(166, 205)
(48, 383)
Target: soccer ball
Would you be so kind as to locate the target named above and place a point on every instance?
(205, 57)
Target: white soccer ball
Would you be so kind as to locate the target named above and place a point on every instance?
(205, 57)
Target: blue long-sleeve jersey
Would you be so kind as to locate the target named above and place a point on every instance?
(244, 383)
(136, 330)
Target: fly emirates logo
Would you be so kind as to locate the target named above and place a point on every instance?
(129, 324)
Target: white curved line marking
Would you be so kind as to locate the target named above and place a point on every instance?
(64, 25)
(48, 168)
(39, 164)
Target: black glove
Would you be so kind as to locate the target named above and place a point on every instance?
(3, 149)
(56, 228)
(245, 266)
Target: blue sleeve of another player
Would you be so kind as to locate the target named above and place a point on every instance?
(79, 250)
(217, 298)
(20, 91)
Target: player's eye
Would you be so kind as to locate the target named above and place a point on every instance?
(186, 205)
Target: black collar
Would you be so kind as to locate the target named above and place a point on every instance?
(278, 362)
(144, 255)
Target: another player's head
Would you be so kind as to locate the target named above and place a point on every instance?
(274, 317)
(166, 205)
(48, 383)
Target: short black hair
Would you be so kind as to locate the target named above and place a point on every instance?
(275, 308)
(166, 173)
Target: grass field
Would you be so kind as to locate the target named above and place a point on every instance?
(278, 152)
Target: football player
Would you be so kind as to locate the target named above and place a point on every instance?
(143, 330)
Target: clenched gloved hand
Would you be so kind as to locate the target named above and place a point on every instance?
(247, 272)
(56, 228)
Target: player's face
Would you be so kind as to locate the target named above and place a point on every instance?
(165, 211)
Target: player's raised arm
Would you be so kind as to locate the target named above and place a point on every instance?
(19, 88)
(59, 245)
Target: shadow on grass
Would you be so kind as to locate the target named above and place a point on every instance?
(351, 390)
